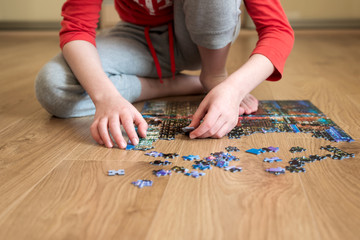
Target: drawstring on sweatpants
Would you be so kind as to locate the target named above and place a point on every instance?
(171, 51)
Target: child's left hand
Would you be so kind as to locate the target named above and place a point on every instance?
(219, 111)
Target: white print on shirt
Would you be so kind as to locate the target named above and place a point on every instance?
(153, 6)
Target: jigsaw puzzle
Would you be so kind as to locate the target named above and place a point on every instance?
(167, 119)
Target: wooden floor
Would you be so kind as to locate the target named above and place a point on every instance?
(53, 182)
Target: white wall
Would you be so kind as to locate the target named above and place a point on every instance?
(296, 10)
(322, 9)
(31, 10)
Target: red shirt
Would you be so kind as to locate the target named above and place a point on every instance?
(276, 36)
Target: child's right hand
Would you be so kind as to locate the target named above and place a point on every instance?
(111, 113)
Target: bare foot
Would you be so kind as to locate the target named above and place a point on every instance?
(182, 85)
(248, 105)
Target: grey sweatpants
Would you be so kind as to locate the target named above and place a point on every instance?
(125, 56)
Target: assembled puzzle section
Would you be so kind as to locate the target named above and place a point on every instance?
(166, 119)
(169, 108)
(289, 116)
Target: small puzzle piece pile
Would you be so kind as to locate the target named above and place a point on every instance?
(338, 153)
(297, 164)
(222, 160)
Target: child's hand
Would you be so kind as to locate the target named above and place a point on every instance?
(110, 114)
(248, 105)
(220, 110)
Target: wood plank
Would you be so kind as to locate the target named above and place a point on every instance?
(29, 150)
(77, 200)
(333, 192)
(20, 63)
(252, 204)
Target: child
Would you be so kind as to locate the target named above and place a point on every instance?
(142, 56)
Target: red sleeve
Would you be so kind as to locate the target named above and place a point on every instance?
(276, 37)
(80, 18)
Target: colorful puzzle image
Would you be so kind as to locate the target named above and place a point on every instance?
(167, 119)
(289, 116)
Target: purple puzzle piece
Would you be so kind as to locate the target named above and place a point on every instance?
(273, 159)
(273, 149)
(276, 171)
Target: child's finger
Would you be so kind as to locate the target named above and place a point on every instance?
(246, 107)
(104, 132)
(241, 110)
(95, 132)
(215, 127)
(222, 131)
(141, 124)
(114, 127)
(209, 120)
(198, 116)
(251, 103)
(128, 125)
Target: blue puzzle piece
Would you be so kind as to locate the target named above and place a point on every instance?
(154, 154)
(162, 172)
(191, 157)
(195, 174)
(222, 163)
(201, 166)
(255, 151)
(143, 183)
(130, 147)
(114, 172)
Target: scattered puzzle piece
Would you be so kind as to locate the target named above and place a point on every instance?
(170, 155)
(273, 159)
(161, 172)
(255, 151)
(276, 171)
(338, 153)
(191, 157)
(114, 172)
(159, 163)
(272, 149)
(224, 156)
(143, 183)
(222, 163)
(233, 169)
(129, 147)
(317, 157)
(295, 169)
(202, 166)
(187, 130)
(297, 149)
(179, 169)
(195, 174)
(154, 154)
(232, 149)
(210, 158)
(296, 163)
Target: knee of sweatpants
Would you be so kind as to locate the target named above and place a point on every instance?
(211, 23)
(51, 92)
